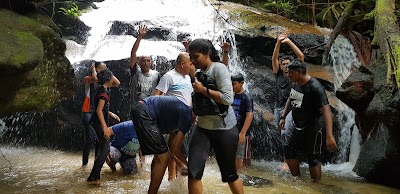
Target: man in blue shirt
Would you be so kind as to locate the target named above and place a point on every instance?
(153, 117)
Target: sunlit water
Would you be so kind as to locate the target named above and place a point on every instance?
(37, 170)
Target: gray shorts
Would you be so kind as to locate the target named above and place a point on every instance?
(243, 150)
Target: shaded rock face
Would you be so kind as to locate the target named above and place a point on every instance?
(357, 91)
(377, 116)
(379, 159)
(35, 74)
(155, 32)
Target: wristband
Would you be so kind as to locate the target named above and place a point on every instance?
(282, 117)
(208, 91)
(226, 52)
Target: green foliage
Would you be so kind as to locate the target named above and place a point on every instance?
(280, 7)
(72, 10)
(370, 15)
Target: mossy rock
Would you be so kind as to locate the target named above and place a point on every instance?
(35, 74)
(246, 20)
(21, 52)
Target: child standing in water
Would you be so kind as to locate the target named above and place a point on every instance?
(100, 122)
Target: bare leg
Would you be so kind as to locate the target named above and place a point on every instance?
(236, 186)
(158, 167)
(294, 166)
(239, 164)
(195, 186)
(171, 170)
(315, 173)
(142, 158)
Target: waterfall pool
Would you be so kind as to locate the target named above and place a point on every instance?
(40, 170)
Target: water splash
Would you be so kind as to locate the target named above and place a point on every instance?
(344, 60)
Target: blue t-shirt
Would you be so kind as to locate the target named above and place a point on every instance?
(169, 112)
(125, 138)
(242, 103)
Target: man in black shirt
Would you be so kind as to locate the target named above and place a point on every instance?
(309, 105)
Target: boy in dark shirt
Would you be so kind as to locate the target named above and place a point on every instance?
(100, 122)
(243, 108)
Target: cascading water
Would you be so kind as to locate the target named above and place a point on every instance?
(344, 59)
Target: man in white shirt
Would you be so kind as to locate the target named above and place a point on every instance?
(177, 82)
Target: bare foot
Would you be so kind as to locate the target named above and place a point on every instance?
(95, 182)
(285, 167)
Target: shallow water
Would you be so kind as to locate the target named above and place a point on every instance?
(38, 170)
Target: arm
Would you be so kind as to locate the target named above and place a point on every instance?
(157, 93)
(288, 108)
(93, 78)
(163, 85)
(225, 51)
(330, 140)
(224, 85)
(115, 82)
(296, 49)
(142, 32)
(246, 126)
(114, 116)
(275, 55)
(176, 150)
(186, 43)
(100, 116)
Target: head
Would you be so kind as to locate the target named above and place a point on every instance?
(237, 83)
(105, 76)
(283, 62)
(202, 53)
(145, 63)
(99, 66)
(183, 64)
(297, 70)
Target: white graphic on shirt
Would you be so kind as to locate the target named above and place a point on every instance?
(296, 98)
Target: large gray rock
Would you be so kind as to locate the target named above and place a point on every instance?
(35, 74)
(379, 159)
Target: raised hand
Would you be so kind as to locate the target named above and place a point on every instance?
(225, 47)
(282, 37)
(142, 30)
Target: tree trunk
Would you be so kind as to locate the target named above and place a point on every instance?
(339, 25)
(387, 35)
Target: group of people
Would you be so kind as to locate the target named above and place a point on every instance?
(211, 104)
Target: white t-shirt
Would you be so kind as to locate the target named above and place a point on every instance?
(175, 84)
(147, 83)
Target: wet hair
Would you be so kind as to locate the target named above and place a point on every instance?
(298, 65)
(237, 78)
(97, 64)
(104, 76)
(286, 57)
(205, 47)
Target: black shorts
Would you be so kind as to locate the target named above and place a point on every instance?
(225, 144)
(150, 138)
(309, 142)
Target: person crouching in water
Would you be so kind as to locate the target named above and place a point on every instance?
(124, 147)
(100, 122)
(153, 117)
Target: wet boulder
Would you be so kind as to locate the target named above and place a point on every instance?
(35, 74)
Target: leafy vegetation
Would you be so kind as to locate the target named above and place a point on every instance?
(72, 10)
(280, 7)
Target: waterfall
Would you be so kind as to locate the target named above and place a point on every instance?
(195, 17)
(343, 58)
